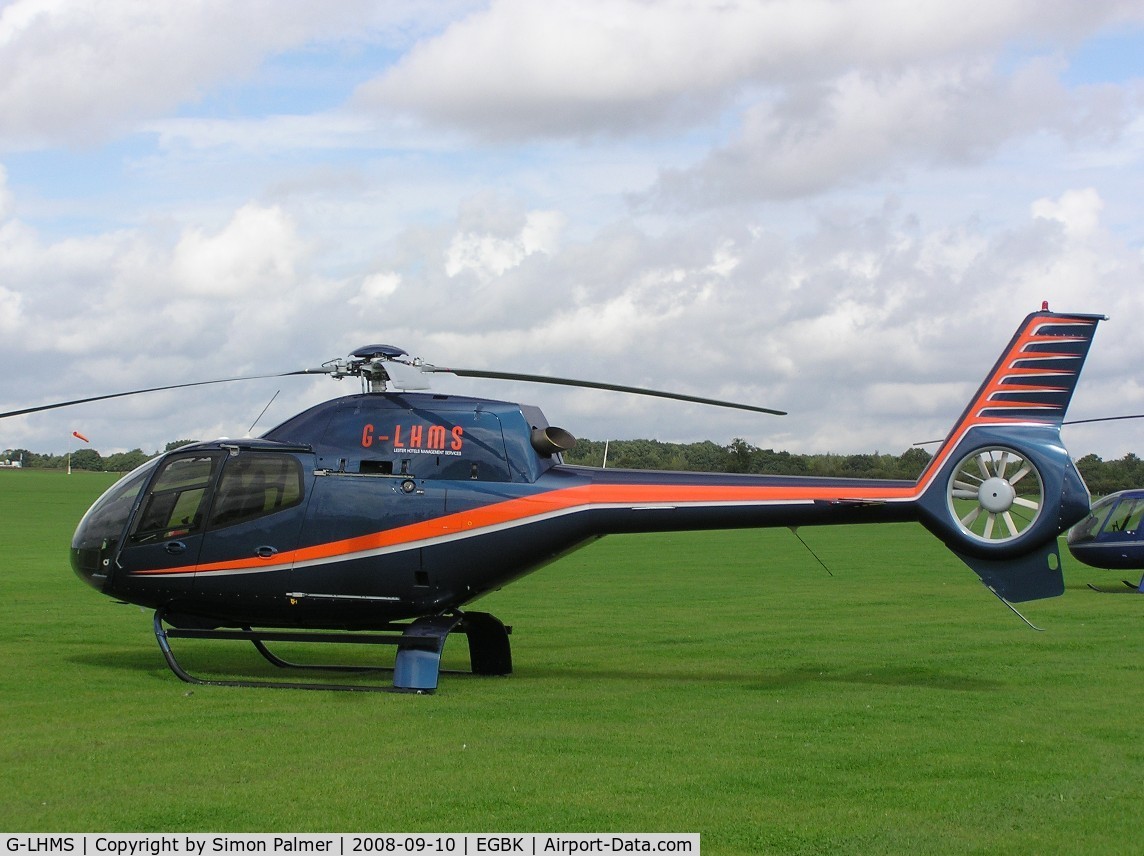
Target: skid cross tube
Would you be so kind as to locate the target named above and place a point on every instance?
(416, 668)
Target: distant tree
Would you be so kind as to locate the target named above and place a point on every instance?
(768, 461)
(170, 447)
(706, 457)
(860, 466)
(1105, 477)
(1095, 474)
(1131, 471)
(637, 455)
(123, 462)
(824, 465)
(740, 456)
(87, 459)
(911, 463)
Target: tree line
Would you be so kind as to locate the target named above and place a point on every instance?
(1102, 477)
(739, 456)
(86, 459)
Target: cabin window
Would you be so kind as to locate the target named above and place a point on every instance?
(255, 485)
(174, 504)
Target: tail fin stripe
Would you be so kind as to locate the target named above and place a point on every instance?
(1031, 384)
(1056, 347)
(1011, 393)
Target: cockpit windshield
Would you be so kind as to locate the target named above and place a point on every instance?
(1113, 518)
(99, 532)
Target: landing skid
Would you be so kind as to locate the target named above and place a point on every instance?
(416, 667)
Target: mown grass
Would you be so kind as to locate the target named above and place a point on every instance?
(714, 682)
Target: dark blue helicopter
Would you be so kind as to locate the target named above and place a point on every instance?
(1111, 535)
(377, 518)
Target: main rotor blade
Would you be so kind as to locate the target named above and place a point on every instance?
(588, 384)
(59, 404)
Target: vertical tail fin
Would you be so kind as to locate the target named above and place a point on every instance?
(1002, 487)
(1034, 379)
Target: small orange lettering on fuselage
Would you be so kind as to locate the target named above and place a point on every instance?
(369, 437)
(418, 437)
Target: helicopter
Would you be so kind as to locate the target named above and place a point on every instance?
(1111, 536)
(378, 517)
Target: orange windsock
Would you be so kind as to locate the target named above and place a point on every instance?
(80, 436)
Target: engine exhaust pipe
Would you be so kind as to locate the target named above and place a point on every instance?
(549, 441)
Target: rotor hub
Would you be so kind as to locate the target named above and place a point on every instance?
(996, 495)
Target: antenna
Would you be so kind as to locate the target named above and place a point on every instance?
(250, 430)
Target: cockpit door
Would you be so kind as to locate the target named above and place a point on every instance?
(166, 534)
(221, 521)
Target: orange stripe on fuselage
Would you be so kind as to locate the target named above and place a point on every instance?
(551, 503)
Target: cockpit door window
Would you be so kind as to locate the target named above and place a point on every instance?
(176, 502)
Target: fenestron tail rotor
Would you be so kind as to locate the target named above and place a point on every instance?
(995, 494)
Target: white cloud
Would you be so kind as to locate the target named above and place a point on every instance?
(869, 327)
(255, 254)
(10, 311)
(5, 195)
(1077, 210)
(488, 256)
(856, 203)
(577, 68)
(865, 126)
(376, 288)
(77, 71)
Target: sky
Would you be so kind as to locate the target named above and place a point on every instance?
(838, 209)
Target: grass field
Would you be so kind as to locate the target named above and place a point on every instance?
(722, 683)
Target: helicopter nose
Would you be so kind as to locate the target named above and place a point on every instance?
(97, 537)
(90, 566)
